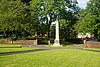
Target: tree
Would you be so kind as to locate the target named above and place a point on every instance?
(90, 22)
(14, 18)
(69, 18)
(35, 10)
(48, 10)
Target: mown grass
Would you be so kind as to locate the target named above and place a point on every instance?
(10, 45)
(52, 58)
(12, 48)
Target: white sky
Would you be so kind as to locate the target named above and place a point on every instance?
(82, 3)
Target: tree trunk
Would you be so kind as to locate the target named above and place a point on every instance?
(48, 31)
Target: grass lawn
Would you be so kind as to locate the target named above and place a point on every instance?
(52, 58)
(12, 47)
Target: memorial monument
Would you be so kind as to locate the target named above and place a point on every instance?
(57, 41)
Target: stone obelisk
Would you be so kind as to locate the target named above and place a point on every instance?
(57, 42)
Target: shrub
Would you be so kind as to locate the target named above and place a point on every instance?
(75, 40)
(42, 40)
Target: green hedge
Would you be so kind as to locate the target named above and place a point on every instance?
(42, 41)
(75, 40)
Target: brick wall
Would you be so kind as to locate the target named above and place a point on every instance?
(34, 42)
(92, 44)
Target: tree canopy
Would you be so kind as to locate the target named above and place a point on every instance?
(25, 18)
(90, 19)
(47, 11)
(14, 17)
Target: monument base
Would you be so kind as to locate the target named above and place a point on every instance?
(56, 43)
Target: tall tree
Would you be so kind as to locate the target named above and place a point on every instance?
(48, 10)
(14, 18)
(35, 10)
(90, 22)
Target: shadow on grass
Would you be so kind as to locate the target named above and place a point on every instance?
(20, 52)
(92, 50)
(12, 47)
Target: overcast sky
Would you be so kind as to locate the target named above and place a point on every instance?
(82, 3)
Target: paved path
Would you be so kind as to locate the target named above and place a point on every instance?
(80, 47)
(48, 47)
